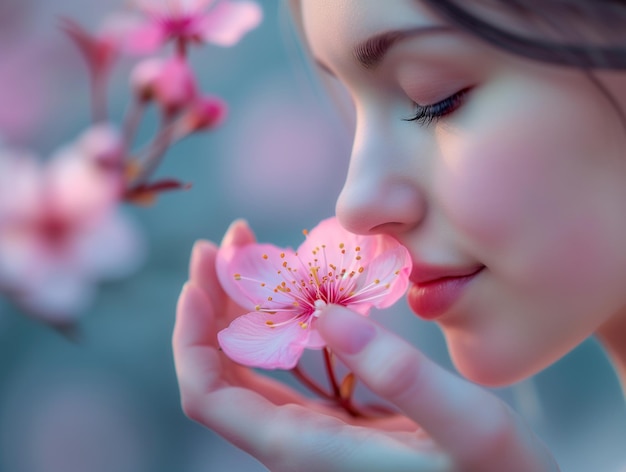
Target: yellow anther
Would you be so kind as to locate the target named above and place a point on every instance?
(269, 323)
(269, 299)
(237, 276)
(265, 256)
(361, 269)
(341, 245)
(282, 255)
(357, 249)
(377, 281)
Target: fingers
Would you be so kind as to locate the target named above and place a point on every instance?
(202, 267)
(238, 234)
(475, 427)
(201, 367)
(235, 413)
(204, 253)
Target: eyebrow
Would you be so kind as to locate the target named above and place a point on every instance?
(371, 52)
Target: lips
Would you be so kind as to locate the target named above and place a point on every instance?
(436, 289)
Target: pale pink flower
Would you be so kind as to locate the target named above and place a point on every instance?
(221, 22)
(61, 230)
(286, 290)
(170, 82)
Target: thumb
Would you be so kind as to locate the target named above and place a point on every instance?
(473, 426)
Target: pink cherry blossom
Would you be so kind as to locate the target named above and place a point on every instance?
(286, 290)
(60, 227)
(170, 82)
(221, 22)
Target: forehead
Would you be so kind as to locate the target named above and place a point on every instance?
(332, 26)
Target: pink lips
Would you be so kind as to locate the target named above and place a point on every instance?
(435, 290)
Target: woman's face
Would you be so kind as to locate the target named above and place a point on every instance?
(509, 187)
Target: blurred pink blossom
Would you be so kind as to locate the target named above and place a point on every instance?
(170, 82)
(286, 290)
(60, 227)
(99, 50)
(206, 112)
(221, 22)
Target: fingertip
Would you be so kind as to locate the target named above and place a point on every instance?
(201, 247)
(238, 234)
(192, 316)
(202, 264)
(345, 331)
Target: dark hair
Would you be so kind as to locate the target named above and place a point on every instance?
(589, 34)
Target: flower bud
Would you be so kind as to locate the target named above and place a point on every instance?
(144, 77)
(175, 86)
(203, 114)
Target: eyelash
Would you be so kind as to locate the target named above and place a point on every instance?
(427, 114)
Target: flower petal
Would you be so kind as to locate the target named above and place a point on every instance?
(62, 298)
(228, 22)
(250, 341)
(384, 280)
(114, 248)
(254, 272)
(135, 36)
(339, 247)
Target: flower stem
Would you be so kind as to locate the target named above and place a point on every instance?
(98, 98)
(330, 371)
(131, 122)
(155, 152)
(309, 383)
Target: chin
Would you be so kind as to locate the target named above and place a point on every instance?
(491, 365)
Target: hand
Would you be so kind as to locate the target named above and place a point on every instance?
(468, 429)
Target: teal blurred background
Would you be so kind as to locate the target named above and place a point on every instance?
(109, 402)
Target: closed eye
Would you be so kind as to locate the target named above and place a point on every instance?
(427, 114)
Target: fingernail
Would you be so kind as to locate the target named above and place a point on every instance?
(346, 332)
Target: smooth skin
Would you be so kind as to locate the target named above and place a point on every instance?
(525, 177)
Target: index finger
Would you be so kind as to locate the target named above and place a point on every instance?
(474, 426)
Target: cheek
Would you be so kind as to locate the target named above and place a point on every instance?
(484, 187)
(546, 216)
(533, 207)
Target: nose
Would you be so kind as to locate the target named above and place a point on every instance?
(382, 191)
